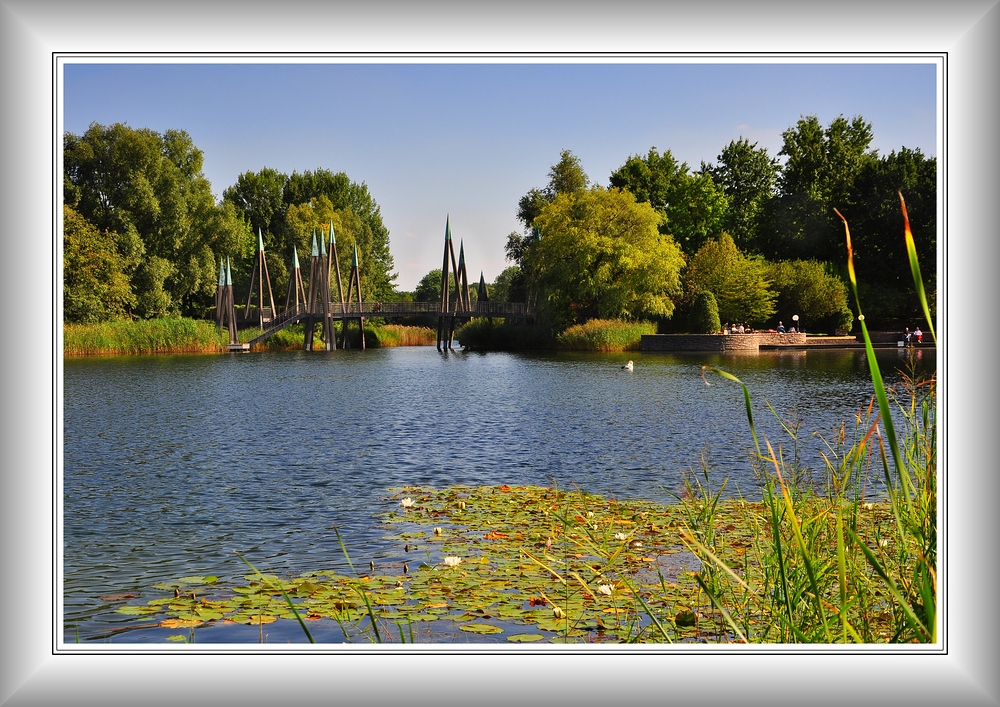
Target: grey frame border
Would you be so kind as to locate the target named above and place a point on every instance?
(34, 672)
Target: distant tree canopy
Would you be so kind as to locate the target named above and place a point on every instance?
(144, 234)
(601, 255)
(773, 219)
(144, 193)
(738, 281)
(693, 207)
(288, 210)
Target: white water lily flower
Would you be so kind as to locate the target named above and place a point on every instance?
(620, 536)
(438, 531)
(452, 561)
(406, 503)
(869, 506)
(590, 514)
(557, 612)
(884, 542)
(605, 589)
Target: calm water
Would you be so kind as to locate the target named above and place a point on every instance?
(172, 462)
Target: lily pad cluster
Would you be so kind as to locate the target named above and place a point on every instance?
(518, 564)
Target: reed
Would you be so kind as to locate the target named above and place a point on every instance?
(400, 335)
(138, 337)
(607, 335)
(855, 564)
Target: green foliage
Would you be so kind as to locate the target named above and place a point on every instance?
(693, 207)
(601, 256)
(818, 176)
(739, 282)
(704, 317)
(509, 286)
(140, 337)
(96, 285)
(805, 288)
(149, 189)
(565, 177)
(608, 335)
(748, 176)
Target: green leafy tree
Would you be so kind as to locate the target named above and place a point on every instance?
(601, 255)
(804, 287)
(748, 176)
(429, 287)
(694, 208)
(739, 282)
(357, 221)
(96, 282)
(149, 188)
(818, 176)
(259, 196)
(509, 286)
(876, 221)
(565, 177)
(705, 314)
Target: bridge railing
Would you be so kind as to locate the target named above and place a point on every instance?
(398, 309)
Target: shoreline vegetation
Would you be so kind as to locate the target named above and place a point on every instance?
(184, 335)
(197, 336)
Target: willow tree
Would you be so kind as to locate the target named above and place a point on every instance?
(600, 255)
(739, 282)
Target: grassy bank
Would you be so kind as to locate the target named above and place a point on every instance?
(152, 336)
(608, 335)
(170, 336)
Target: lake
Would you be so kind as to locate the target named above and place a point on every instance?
(170, 463)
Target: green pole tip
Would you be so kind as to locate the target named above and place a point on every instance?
(322, 245)
(354, 261)
(229, 274)
(333, 238)
(222, 272)
(260, 241)
(447, 228)
(315, 248)
(461, 252)
(295, 258)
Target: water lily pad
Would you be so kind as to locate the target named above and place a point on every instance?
(480, 628)
(525, 637)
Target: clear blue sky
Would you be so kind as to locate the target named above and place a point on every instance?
(468, 140)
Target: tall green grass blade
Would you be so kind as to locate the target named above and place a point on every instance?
(918, 281)
(285, 595)
(803, 548)
(876, 375)
(746, 399)
(361, 592)
(904, 605)
(721, 607)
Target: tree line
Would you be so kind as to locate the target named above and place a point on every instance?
(143, 234)
(751, 235)
(755, 232)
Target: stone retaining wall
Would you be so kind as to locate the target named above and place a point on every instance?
(718, 342)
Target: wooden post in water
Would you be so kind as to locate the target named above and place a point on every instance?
(444, 284)
(329, 335)
(482, 295)
(225, 303)
(315, 273)
(355, 279)
(333, 263)
(263, 280)
(463, 299)
(296, 288)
